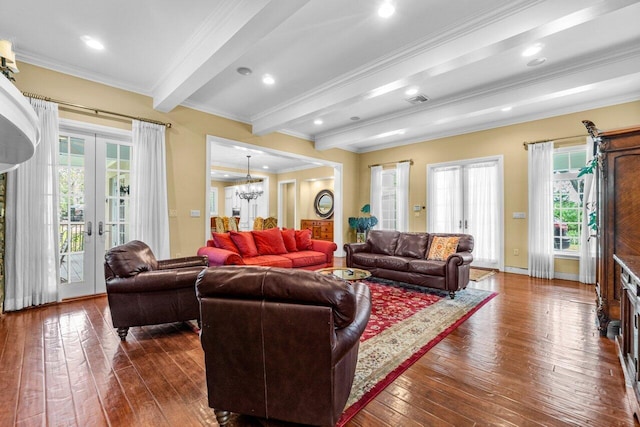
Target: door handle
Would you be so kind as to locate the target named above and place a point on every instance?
(460, 225)
(101, 230)
(465, 224)
(89, 230)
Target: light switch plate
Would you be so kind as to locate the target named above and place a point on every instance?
(519, 215)
(195, 213)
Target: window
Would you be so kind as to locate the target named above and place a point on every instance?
(568, 192)
(213, 201)
(389, 214)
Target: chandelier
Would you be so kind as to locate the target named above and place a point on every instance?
(249, 189)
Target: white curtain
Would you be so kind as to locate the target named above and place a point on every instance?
(31, 260)
(402, 196)
(540, 231)
(150, 213)
(587, 273)
(483, 207)
(375, 199)
(445, 200)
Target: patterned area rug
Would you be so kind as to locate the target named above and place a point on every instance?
(406, 321)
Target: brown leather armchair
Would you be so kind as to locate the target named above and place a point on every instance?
(144, 291)
(280, 344)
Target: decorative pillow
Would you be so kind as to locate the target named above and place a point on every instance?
(245, 243)
(442, 248)
(303, 239)
(232, 224)
(220, 225)
(289, 238)
(269, 242)
(223, 241)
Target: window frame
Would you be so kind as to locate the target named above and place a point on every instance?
(567, 175)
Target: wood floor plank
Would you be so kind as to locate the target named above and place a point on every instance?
(531, 356)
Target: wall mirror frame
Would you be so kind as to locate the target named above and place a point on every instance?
(323, 204)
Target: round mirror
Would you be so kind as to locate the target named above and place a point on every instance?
(324, 204)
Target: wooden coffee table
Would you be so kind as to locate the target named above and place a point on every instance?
(345, 273)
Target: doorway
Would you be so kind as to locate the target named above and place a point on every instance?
(467, 197)
(219, 150)
(94, 181)
(287, 213)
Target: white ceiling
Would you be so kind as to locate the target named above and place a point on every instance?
(336, 59)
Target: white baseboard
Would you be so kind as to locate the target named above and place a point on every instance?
(557, 275)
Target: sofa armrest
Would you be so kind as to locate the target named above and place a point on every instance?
(325, 247)
(155, 280)
(218, 256)
(347, 337)
(460, 258)
(354, 248)
(192, 261)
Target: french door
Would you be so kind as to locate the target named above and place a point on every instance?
(94, 176)
(467, 197)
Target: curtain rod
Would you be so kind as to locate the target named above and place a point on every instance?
(95, 110)
(527, 144)
(392, 163)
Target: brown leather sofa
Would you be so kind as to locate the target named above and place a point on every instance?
(144, 291)
(280, 344)
(402, 257)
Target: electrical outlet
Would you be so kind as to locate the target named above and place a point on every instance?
(516, 252)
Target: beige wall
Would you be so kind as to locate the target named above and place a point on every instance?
(506, 141)
(186, 142)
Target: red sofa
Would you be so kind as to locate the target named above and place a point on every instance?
(287, 248)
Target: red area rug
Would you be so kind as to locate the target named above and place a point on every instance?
(405, 323)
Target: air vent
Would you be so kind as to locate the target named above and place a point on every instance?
(418, 99)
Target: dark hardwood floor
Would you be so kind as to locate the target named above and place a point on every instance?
(531, 356)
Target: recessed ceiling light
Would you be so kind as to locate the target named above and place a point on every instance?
(318, 122)
(268, 79)
(386, 9)
(537, 61)
(265, 167)
(411, 91)
(355, 118)
(92, 43)
(245, 71)
(505, 109)
(532, 50)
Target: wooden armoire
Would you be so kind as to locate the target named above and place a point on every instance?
(618, 187)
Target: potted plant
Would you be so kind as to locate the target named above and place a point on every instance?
(363, 224)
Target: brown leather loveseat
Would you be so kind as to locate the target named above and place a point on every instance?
(145, 291)
(280, 343)
(408, 257)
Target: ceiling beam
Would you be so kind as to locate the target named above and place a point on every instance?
(547, 88)
(429, 59)
(233, 28)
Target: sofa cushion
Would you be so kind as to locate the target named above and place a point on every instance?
(306, 258)
(442, 247)
(269, 242)
(393, 263)
(431, 268)
(223, 241)
(289, 238)
(303, 239)
(245, 243)
(365, 259)
(412, 245)
(383, 241)
(269, 261)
